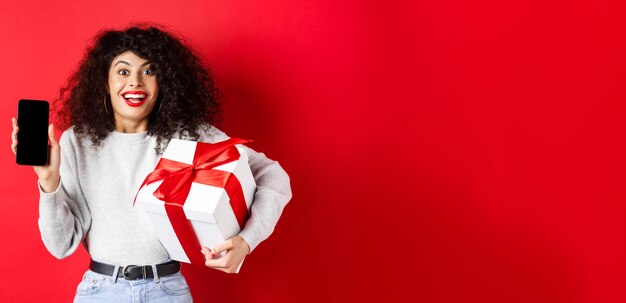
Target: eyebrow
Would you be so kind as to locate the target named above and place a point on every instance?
(118, 62)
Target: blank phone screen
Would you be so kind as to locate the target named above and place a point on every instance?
(32, 137)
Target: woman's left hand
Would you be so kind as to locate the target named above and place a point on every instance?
(236, 249)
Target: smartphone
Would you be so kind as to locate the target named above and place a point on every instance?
(32, 137)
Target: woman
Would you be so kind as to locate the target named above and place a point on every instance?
(134, 90)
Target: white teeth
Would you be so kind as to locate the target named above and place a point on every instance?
(134, 96)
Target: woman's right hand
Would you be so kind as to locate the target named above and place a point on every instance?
(49, 176)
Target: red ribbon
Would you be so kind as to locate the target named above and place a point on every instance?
(177, 178)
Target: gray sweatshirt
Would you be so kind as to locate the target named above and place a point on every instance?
(94, 202)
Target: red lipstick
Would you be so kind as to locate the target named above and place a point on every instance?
(135, 98)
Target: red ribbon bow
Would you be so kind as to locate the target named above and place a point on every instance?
(177, 178)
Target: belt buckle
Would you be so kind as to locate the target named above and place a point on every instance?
(143, 269)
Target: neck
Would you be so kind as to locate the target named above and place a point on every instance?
(131, 126)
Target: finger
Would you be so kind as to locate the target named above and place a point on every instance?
(15, 129)
(226, 245)
(14, 135)
(55, 148)
(218, 263)
(207, 253)
(13, 141)
(52, 136)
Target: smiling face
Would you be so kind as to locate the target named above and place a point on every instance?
(134, 90)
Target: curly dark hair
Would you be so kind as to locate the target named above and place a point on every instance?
(187, 98)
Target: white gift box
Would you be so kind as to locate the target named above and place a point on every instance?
(207, 207)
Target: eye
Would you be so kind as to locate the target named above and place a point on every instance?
(122, 72)
(148, 72)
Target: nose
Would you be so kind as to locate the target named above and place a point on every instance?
(135, 81)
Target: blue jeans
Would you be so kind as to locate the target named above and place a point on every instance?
(96, 287)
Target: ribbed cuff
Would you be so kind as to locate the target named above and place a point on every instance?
(45, 194)
(250, 237)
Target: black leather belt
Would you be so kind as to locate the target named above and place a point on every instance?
(136, 272)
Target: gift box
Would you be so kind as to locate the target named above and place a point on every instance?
(199, 194)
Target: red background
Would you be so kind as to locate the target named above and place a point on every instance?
(440, 151)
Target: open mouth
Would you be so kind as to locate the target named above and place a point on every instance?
(134, 99)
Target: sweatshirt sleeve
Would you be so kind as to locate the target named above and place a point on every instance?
(272, 194)
(64, 217)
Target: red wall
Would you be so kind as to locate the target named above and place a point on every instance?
(461, 151)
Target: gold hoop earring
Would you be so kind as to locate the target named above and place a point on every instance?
(158, 110)
(105, 104)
